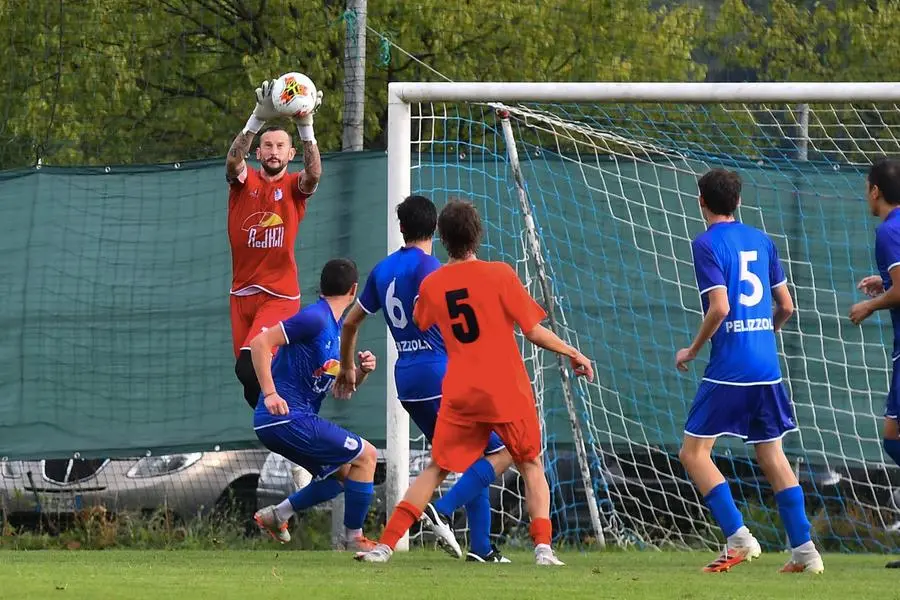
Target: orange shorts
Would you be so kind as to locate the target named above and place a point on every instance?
(251, 315)
(457, 445)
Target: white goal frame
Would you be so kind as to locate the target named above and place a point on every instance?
(402, 94)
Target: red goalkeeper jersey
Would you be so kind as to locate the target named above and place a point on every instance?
(263, 219)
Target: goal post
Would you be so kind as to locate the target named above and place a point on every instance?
(589, 191)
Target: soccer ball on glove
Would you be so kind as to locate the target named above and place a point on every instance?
(294, 95)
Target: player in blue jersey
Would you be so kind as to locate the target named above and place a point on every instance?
(739, 275)
(883, 195)
(287, 419)
(392, 288)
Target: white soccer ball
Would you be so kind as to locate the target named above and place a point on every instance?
(294, 94)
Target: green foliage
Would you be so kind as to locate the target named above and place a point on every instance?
(146, 81)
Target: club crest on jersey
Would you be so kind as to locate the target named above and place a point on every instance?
(264, 230)
(323, 377)
(278, 194)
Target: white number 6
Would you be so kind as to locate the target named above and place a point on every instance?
(395, 307)
(751, 278)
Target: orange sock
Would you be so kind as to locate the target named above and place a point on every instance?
(403, 517)
(541, 531)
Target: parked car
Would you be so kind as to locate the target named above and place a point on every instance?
(187, 484)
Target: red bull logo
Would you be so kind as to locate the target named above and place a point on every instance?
(323, 377)
(292, 88)
(264, 230)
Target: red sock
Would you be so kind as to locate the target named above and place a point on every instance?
(404, 516)
(541, 531)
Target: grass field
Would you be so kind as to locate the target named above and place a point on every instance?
(269, 574)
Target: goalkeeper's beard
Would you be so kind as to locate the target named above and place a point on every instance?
(272, 171)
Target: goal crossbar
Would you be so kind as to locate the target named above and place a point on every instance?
(876, 91)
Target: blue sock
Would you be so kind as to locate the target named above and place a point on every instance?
(357, 497)
(724, 511)
(479, 513)
(793, 515)
(892, 448)
(473, 481)
(316, 492)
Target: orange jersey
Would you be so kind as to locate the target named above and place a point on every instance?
(476, 305)
(263, 218)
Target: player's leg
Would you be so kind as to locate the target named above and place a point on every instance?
(523, 442)
(267, 311)
(455, 447)
(471, 491)
(718, 410)
(242, 310)
(891, 430)
(340, 461)
(772, 420)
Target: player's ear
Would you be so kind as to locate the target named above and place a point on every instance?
(353, 289)
(292, 153)
(258, 154)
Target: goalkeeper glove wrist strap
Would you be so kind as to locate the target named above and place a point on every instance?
(254, 124)
(306, 133)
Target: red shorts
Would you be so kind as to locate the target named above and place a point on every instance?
(457, 445)
(251, 315)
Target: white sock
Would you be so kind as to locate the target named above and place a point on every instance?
(352, 534)
(284, 511)
(803, 551)
(740, 538)
(542, 548)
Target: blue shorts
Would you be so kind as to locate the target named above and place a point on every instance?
(755, 413)
(316, 444)
(424, 415)
(420, 380)
(892, 405)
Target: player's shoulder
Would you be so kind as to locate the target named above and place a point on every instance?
(889, 228)
(314, 314)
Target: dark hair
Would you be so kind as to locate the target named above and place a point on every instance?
(460, 228)
(418, 218)
(721, 191)
(273, 129)
(338, 276)
(885, 173)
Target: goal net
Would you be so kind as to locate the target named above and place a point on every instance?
(590, 191)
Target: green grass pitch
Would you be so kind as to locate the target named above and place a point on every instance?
(273, 574)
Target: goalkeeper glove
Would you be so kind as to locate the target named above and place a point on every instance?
(264, 110)
(305, 123)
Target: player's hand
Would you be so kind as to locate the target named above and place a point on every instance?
(276, 405)
(860, 311)
(265, 109)
(683, 357)
(871, 286)
(344, 384)
(366, 361)
(582, 366)
(307, 118)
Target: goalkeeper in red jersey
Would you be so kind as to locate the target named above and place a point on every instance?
(476, 306)
(265, 208)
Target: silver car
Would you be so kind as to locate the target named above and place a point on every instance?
(186, 485)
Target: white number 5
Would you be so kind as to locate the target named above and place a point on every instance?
(395, 307)
(751, 278)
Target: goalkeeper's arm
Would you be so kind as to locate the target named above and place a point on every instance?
(264, 110)
(312, 162)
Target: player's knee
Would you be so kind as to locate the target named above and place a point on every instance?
(243, 368)
(688, 455)
(368, 458)
(501, 460)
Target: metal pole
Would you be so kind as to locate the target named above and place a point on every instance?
(354, 76)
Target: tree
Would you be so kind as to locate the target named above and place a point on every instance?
(113, 81)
